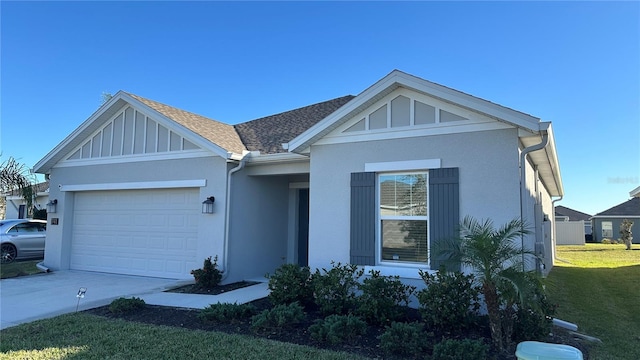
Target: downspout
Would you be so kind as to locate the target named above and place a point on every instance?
(523, 179)
(227, 212)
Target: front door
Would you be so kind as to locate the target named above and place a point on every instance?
(303, 227)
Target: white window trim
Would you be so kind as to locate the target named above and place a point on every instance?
(379, 218)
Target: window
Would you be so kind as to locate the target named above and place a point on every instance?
(403, 217)
(607, 229)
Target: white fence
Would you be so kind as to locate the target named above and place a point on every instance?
(570, 232)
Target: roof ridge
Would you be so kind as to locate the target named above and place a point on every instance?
(297, 109)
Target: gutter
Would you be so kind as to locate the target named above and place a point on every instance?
(523, 179)
(227, 212)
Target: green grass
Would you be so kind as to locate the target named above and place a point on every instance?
(598, 288)
(84, 336)
(19, 268)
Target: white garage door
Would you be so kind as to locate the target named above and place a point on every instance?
(136, 232)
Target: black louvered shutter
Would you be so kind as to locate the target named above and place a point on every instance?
(444, 210)
(363, 218)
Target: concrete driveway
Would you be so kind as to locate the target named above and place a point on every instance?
(29, 298)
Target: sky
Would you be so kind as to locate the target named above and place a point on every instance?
(576, 64)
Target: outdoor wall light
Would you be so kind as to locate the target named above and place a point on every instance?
(52, 205)
(207, 205)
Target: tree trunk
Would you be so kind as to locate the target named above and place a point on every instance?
(493, 309)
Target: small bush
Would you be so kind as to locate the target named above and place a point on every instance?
(209, 276)
(610, 241)
(405, 339)
(126, 305)
(279, 316)
(290, 283)
(336, 329)
(534, 322)
(382, 298)
(227, 312)
(467, 349)
(335, 289)
(450, 301)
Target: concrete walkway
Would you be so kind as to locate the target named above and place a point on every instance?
(29, 298)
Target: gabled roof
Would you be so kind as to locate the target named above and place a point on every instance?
(635, 192)
(530, 128)
(212, 135)
(267, 134)
(218, 133)
(397, 79)
(573, 215)
(627, 208)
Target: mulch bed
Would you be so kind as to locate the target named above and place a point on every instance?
(367, 345)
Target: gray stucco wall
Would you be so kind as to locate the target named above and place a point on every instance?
(210, 227)
(489, 181)
(259, 225)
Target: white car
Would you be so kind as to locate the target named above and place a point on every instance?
(22, 239)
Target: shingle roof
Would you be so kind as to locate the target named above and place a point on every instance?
(573, 215)
(267, 134)
(223, 135)
(627, 208)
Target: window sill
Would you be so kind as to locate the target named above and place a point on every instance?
(401, 271)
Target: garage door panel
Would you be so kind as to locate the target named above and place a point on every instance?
(139, 232)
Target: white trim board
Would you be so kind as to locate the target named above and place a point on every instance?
(136, 185)
(403, 165)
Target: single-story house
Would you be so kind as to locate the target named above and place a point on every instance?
(606, 224)
(16, 206)
(375, 179)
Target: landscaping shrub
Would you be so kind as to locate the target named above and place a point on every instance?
(209, 276)
(337, 329)
(534, 320)
(610, 241)
(335, 289)
(277, 317)
(126, 305)
(290, 283)
(227, 312)
(382, 297)
(467, 349)
(450, 300)
(404, 339)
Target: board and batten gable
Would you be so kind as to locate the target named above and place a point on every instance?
(487, 162)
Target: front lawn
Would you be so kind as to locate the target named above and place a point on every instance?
(84, 336)
(598, 288)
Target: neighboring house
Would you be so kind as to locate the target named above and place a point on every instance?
(375, 180)
(16, 206)
(572, 227)
(606, 224)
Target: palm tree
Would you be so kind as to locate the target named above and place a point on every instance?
(496, 257)
(13, 176)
